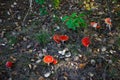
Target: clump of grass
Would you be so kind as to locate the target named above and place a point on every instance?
(43, 37)
(11, 39)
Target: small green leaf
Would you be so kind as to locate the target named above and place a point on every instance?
(65, 18)
(73, 15)
(40, 1)
(81, 15)
(43, 11)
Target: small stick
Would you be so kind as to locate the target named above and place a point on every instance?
(30, 9)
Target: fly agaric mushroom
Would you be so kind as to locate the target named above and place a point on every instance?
(95, 25)
(55, 61)
(86, 41)
(108, 22)
(56, 38)
(48, 59)
(63, 37)
(9, 64)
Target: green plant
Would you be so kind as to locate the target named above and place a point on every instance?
(56, 3)
(40, 1)
(43, 10)
(11, 39)
(42, 37)
(75, 21)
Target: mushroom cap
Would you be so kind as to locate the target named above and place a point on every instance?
(56, 38)
(94, 24)
(55, 61)
(64, 37)
(9, 64)
(108, 21)
(48, 59)
(86, 41)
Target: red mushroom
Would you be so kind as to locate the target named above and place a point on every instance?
(56, 38)
(86, 41)
(108, 22)
(9, 64)
(55, 61)
(95, 25)
(48, 59)
(63, 37)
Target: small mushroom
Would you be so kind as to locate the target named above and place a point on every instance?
(55, 61)
(95, 25)
(48, 59)
(108, 22)
(56, 38)
(63, 38)
(86, 41)
(9, 64)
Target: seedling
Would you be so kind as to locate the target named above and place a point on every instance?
(74, 21)
(40, 1)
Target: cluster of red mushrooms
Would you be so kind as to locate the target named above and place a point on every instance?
(62, 38)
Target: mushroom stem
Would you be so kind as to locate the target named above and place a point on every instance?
(109, 27)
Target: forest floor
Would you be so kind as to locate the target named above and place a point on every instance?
(26, 37)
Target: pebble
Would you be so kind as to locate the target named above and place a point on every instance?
(92, 61)
(0, 20)
(50, 5)
(14, 3)
(103, 49)
(47, 74)
(38, 61)
(91, 74)
(40, 55)
(44, 50)
(34, 67)
(76, 58)
(12, 6)
(30, 66)
(68, 54)
(8, 13)
(19, 17)
(28, 46)
(61, 52)
(10, 79)
(111, 51)
(110, 61)
(30, 51)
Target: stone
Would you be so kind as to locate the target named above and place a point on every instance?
(14, 3)
(103, 49)
(92, 61)
(68, 54)
(38, 61)
(47, 74)
(0, 20)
